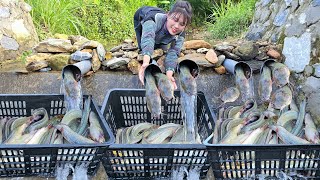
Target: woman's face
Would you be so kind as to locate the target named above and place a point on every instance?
(175, 23)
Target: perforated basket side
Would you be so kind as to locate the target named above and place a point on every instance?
(29, 160)
(127, 107)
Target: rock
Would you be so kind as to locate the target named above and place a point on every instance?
(9, 43)
(274, 54)
(134, 66)
(58, 61)
(77, 39)
(196, 44)
(108, 56)
(80, 56)
(96, 63)
(101, 52)
(311, 85)
(87, 50)
(313, 107)
(140, 57)
(224, 47)
(308, 71)
(4, 12)
(117, 54)
(55, 46)
(231, 55)
(61, 36)
(202, 50)
(200, 59)
(247, 51)
(157, 53)
(211, 56)
(262, 55)
(296, 57)
(189, 51)
(116, 48)
(90, 45)
(128, 41)
(36, 65)
(220, 70)
(89, 73)
(316, 70)
(25, 7)
(281, 17)
(129, 47)
(20, 31)
(130, 54)
(117, 62)
(312, 14)
(38, 57)
(221, 59)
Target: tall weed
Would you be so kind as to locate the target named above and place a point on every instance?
(56, 16)
(230, 19)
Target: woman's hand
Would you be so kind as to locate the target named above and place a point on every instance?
(170, 76)
(146, 61)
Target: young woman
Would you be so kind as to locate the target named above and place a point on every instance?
(157, 29)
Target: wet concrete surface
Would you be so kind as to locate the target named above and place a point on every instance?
(98, 85)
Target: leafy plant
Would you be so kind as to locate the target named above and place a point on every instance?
(24, 55)
(230, 18)
(56, 16)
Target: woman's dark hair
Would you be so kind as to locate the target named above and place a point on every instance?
(182, 8)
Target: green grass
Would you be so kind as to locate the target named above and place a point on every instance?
(106, 21)
(56, 16)
(230, 19)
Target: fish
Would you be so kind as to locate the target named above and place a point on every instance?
(165, 86)
(286, 136)
(189, 115)
(85, 116)
(301, 116)
(71, 88)
(243, 84)
(281, 98)
(311, 132)
(287, 117)
(95, 131)
(265, 84)
(71, 136)
(152, 96)
(138, 130)
(280, 73)
(187, 81)
(38, 123)
(36, 139)
(230, 94)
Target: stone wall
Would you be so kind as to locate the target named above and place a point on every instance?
(17, 32)
(296, 25)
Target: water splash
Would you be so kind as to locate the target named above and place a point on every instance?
(80, 172)
(62, 171)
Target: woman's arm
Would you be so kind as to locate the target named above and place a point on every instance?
(171, 60)
(147, 45)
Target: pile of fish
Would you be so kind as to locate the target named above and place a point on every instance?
(281, 122)
(157, 84)
(148, 133)
(40, 129)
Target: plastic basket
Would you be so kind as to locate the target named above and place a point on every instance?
(41, 160)
(127, 107)
(267, 161)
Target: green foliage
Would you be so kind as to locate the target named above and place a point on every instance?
(107, 21)
(230, 18)
(56, 16)
(24, 55)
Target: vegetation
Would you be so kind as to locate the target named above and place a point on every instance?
(111, 21)
(230, 18)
